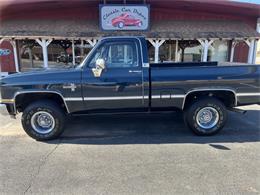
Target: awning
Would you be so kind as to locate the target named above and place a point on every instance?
(186, 29)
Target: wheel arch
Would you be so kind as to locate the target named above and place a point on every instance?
(38, 95)
(216, 93)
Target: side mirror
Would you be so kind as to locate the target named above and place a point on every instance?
(100, 65)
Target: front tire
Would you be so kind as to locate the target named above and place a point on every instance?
(43, 120)
(206, 116)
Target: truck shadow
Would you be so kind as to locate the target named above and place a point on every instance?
(155, 129)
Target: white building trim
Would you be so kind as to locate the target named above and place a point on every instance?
(92, 42)
(44, 44)
(205, 44)
(73, 52)
(233, 45)
(176, 51)
(256, 41)
(251, 45)
(1, 40)
(156, 44)
(13, 43)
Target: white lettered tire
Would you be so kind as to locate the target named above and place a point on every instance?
(43, 120)
(206, 116)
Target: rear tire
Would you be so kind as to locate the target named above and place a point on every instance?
(206, 116)
(43, 120)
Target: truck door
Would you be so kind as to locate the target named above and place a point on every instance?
(117, 83)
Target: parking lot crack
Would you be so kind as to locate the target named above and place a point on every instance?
(42, 163)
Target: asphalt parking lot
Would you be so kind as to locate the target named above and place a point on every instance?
(133, 154)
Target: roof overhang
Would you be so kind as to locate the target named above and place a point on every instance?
(76, 29)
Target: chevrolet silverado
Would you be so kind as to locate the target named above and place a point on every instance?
(116, 77)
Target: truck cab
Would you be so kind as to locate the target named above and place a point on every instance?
(114, 75)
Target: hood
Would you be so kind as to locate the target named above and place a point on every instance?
(43, 76)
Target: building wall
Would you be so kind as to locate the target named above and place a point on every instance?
(7, 62)
(160, 11)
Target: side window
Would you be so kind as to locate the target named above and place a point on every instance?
(116, 55)
(100, 53)
(122, 55)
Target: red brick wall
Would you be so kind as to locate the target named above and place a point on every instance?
(7, 62)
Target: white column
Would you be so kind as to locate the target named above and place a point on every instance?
(92, 42)
(251, 44)
(1, 40)
(81, 48)
(13, 43)
(205, 44)
(73, 52)
(233, 45)
(256, 41)
(44, 44)
(125, 53)
(255, 52)
(156, 44)
(176, 51)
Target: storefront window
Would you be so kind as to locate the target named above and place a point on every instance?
(167, 51)
(82, 48)
(189, 51)
(30, 55)
(218, 51)
(150, 51)
(59, 54)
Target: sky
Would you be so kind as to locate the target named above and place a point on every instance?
(249, 1)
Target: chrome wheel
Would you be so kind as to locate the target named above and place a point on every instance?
(207, 117)
(42, 122)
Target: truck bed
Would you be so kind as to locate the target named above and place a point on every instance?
(175, 80)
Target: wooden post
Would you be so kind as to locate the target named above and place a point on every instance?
(156, 44)
(1, 40)
(233, 45)
(170, 52)
(44, 44)
(92, 42)
(176, 51)
(13, 43)
(30, 56)
(256, 41)
(250, 44)
(81, 48)
(205, 44)
(73, 53)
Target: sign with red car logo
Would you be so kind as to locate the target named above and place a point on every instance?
(124, 17)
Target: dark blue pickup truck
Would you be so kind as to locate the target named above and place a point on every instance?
(116, 77)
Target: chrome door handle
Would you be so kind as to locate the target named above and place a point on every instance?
(135, 71)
